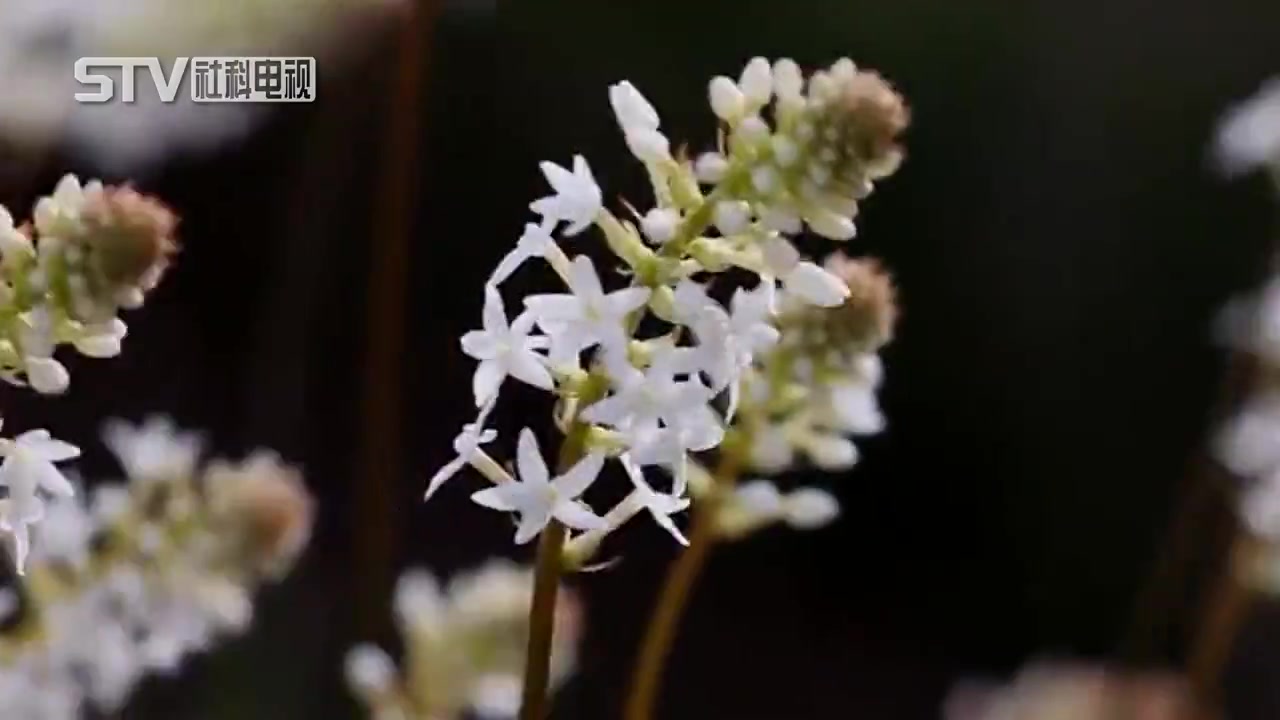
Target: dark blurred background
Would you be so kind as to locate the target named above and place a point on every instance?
(1060, 241)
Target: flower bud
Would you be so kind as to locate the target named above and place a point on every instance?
(732, 216)
(727, 101)
(660, 224)
(815, 285)
(756, 82)
(710, 167)
(810, 508)
(127, 237)
(867, 317)
(47, 376)
(265, 508)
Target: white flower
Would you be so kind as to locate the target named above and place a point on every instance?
(788, 80)
(28, 468)
(759, 499)
(537, 498)
(806, 280)
(45, 375)
(710, 167)
(13, 242)
(829, 224)
(660, 225)
(467, 446)
(727, 342)
(586, 316)
(756, 82)
(631, 107)
(1250, 133)
(59, 213)
(504, 350)
(771, 449)
(815, 285)
(102, 340)
(659, 505)
(727, 101)
(154, 449)
(419, 603)
(810, 508)
(536, 241)
(732, 216)
(854, 408)
(1260, 506)
(577, 200)
(828, 451)
(639, 123)
(642, 400)
(64, 533)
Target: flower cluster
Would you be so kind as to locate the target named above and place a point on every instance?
(1054, 690)
(653, 372)
(90, 251)
(1248, 445)
(463, 647)
(145, 573)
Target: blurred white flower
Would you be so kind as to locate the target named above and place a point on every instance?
(1249, 135)
(154, 449)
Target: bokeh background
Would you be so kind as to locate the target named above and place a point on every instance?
(1059, 236)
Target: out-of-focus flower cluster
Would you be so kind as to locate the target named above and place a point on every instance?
(1074, 691)
(1249, 444)
(654, 373)
(464, 647)
(145, 573)
(40, 40)
(90, 251)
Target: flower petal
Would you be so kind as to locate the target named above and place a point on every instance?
(527, 367)
(574, 515)
(580, 477)
(505, 497)
(532, 522)
(485, 383)
(533, 469)
(449, 470)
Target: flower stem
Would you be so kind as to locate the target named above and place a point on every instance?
(548, 568)
(1229, 603)
(660, 635)
(542, 613)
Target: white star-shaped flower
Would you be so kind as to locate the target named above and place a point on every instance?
(27, 470)
(534, 242)
(577, 199)
(586, 316)
(643, 399)
(660, 505)
(538, 498)
(504, 350)
(467, 446)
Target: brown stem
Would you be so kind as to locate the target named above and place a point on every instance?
(1229, 603)
(547, 571)
(542, 613)
(674, 597)
(1201, 493)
